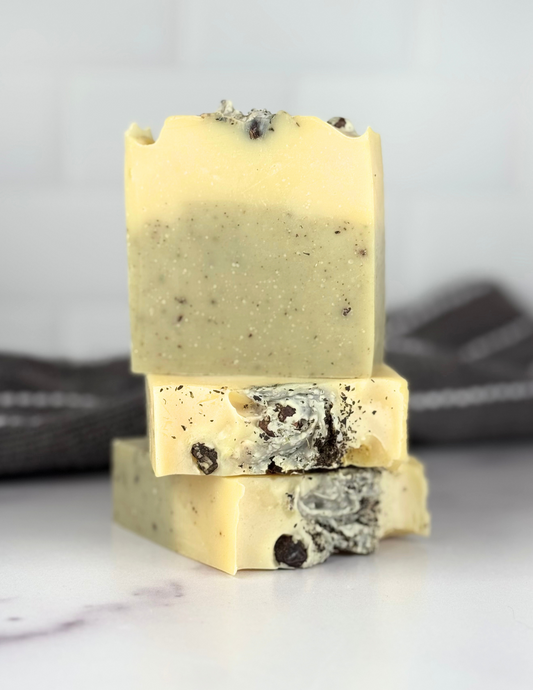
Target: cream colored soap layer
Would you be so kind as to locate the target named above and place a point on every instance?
(234, 523)
(212, 426)
(255, 256)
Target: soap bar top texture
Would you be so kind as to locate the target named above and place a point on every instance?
(230, 427)
(289, 521)
(255, 246)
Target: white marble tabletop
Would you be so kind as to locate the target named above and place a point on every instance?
(85, 604)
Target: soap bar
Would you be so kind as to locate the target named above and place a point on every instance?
(266, 522)
(255, 246)
(210, 426)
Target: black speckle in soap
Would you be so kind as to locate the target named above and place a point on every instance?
(255, 130)
(205, 457)
(263, 425)
(284, 411)
(289, 551)
(273, 468)
(346, 311)
(327, 447)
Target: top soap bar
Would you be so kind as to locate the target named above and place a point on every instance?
(255, 246)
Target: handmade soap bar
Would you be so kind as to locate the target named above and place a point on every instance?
(206, 426)
(233, 523)
(255, 246)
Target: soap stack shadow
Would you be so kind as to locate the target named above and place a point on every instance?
(276, 434)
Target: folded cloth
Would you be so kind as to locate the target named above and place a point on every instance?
(57, 416)
(467, 354)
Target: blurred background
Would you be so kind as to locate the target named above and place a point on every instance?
(447, 83)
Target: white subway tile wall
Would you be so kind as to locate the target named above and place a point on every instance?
(447, 83)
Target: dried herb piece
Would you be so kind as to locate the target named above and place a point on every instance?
(263, 425)
(206, 457)
(255, 130)
(284, 411)
(328, 447)
(273, 468)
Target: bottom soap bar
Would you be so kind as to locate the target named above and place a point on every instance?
(268, 522)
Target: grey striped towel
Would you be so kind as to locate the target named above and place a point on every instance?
(467, 354)
(57, 416)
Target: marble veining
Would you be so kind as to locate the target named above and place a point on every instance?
(163, 595)
(101, 608)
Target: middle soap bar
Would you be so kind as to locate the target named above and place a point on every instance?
(222, 428)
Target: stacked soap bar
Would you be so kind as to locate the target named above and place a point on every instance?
(255, 247)
(276, 434)
(216, 427)
(253, 521)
